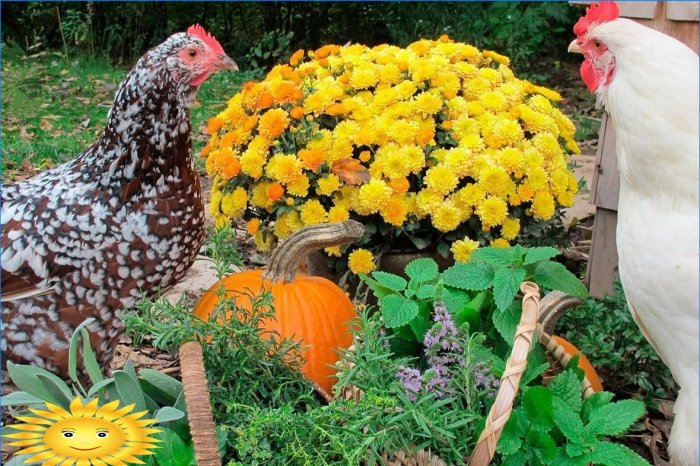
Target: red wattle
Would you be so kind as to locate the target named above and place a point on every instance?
(589, 76)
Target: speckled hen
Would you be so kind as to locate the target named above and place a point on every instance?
(89, 238)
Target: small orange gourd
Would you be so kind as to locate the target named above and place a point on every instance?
(312, 310)
(583, 363)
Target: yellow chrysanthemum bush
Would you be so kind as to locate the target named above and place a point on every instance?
(436, 144)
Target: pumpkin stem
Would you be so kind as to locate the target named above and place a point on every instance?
(286, 257)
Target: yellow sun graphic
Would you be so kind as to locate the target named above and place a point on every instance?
(88, 435)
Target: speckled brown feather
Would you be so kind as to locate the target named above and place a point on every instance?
(121, 221)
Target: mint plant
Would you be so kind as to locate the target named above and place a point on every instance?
(554, 426)
(480, 292)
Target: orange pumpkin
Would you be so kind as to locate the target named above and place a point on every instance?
(583, 363)
(312, 310)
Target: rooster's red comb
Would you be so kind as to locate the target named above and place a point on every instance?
(597, 13)
(198, 31)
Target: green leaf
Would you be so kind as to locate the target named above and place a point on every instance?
(614, 454)
(506, 322)
(173, 450)
(73, 348)
(614, 418)
(443, 249)
(422, 270)
(168, 385)
(20, 398)
(58, 389)
(129, 390)
(419, 242)
(494, 256)
(470, 276)
(99, 386)
(167, 414)
(555, 276)
(536, 364)
(537, 402)
(567, 387)
(92, 367)
(419, 325)
(544, 445)
(518, 458)
(389, 280)
(538, 254)
(595, 401)
(26, 379)
(510, 441)
(506, 283)
(397, 310)
(567, 419)
(378, 290)
(454, 299)
(426, 292)
(470, 313)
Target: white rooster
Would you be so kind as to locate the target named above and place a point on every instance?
(648, 83)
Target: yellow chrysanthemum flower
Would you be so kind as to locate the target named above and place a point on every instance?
(299, 187)
(500, 243)
(338, 214)
(312, 212)
(328, 185)
(492, 211)
(426, 202)
(234, 204)
(542, 205)
(463, 248)
(510, 228)
(495, 180)
(372, 196)
(440, 179)
(284, 168)
(263, 240)
(361, 261)
(446, 217)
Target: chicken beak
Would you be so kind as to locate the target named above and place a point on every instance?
(227, 63)
(574, 47)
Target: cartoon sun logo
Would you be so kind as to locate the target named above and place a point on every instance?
(87, 435)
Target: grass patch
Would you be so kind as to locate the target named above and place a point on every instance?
(54, 108)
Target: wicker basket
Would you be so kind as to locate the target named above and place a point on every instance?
(536, 315)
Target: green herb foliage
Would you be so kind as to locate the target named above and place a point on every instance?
(604, 330)
(480, 292)
(554, 426)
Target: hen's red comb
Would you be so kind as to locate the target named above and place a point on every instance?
(198, 31)
(597, 13)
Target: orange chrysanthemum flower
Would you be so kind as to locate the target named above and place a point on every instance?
(296, 57)
(214, 124)
(275, 192)
(296, 112)
(311, 159)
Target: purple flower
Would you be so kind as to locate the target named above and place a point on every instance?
(410, 378)
(443, 349)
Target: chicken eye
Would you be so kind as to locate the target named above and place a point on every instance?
(192, 53)
(597, 44)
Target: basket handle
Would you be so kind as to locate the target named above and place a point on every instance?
(510, 381)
